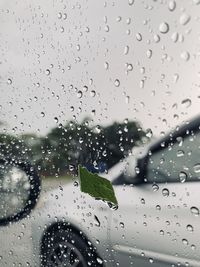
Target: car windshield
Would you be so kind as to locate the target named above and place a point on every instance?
(100, 102)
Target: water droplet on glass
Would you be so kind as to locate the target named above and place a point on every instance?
(47, 72)
(59, 15)
(126, 121)
(150, 260)
(164, 27)
(155, 187)
(118, 19)
(117, 83)
(98, 129)
(127, 99)
(96, 221)
(139, 36)
(180, 153)
(142, 70)
(175, 78)
(175, 37)
(176, 116)
(185, 241)
(158, 207)
(71, 168)
(185, 55)
(56, 119)
(85, 88)
(62, 29)
(75, 183)
(106, 65)
(79, 94)
(100, 261)
(165, 192)
(9, 81)
(87, 29)
(142, 84)
(156, 38)
(121, 224)
(92, 93)
(149, 133)
(78, 47)
(144, 223)
(190, 228)
(182, 176)
(93, 112)
(184, 19)
(129, 67)
(194, 211)
(162, 232)
(126, 50)
(186, 103)
(106, 28)
(149, 53)
(80, 140)
(197, 168)
(131, 2)
(42, 114)
(112, 206)
(104, 153)
(172, 5)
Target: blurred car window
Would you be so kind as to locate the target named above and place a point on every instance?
(178, 162)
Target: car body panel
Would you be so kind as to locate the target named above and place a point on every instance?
(78, 209)
(155, 226)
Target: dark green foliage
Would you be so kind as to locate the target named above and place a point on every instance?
(74, 144)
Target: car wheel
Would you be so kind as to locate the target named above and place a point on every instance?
(63, 247)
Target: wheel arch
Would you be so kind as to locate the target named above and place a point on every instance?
(64, 225)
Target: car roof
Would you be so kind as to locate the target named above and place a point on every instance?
(186, 128)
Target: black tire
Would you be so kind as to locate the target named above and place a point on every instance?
(63, 247)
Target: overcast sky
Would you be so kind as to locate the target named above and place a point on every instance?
(107, 60)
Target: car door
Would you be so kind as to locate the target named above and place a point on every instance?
(158, 221)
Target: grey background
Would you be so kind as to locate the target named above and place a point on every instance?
(33, 38)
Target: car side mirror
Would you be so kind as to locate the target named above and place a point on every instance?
(19, 190)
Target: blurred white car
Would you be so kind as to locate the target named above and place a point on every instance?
(157, 222)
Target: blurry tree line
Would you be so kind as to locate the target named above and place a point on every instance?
(64, 147)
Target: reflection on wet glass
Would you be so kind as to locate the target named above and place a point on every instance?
(14, 189)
